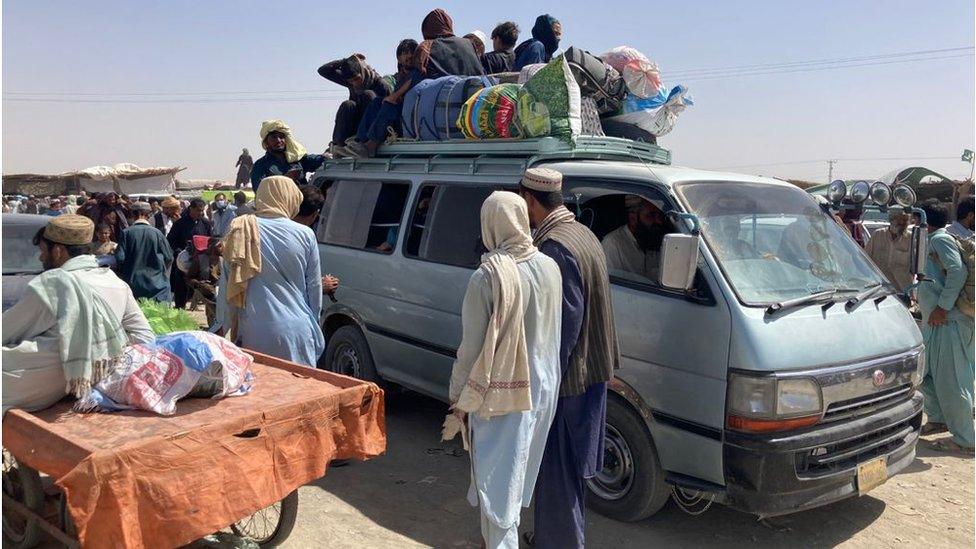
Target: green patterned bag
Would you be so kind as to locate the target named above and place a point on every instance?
(491, 113)
(549, 103)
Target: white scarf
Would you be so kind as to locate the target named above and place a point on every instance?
(498, 382)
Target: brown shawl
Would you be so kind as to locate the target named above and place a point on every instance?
(437, 24)
(596, 354)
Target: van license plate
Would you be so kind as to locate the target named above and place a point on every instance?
(871, 474)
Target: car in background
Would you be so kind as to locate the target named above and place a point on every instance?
(21, 262)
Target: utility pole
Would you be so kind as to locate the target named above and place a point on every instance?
(830, 170)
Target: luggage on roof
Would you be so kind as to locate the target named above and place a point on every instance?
(432, 107)
(597, 79)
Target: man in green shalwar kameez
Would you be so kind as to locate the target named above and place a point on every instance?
(948, 333)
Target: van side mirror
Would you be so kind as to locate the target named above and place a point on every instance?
(919, 250)
(679, 261)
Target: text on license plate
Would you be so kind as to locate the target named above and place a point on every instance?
(871, 474)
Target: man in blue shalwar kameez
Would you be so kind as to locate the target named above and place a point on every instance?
(948, 333)
(588, 357)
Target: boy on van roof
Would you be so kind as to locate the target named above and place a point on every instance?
(588, 356)
(546, 34)
(503, 39)
(440, 54)
(364, 85)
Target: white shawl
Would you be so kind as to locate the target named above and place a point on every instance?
(498, 382)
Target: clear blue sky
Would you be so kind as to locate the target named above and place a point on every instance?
(923, 109)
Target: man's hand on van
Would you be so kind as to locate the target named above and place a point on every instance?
(937, 317)
(330, 284)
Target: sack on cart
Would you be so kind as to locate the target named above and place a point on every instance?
(154, 377)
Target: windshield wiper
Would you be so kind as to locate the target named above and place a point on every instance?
(871, 292)
(826, 296)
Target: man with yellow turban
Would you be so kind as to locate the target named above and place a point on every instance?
(284, 156)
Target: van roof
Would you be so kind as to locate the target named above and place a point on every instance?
(591, 156)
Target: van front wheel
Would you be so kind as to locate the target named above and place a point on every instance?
(348, 354)
(631, 486)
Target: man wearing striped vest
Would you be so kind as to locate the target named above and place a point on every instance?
(588, 357)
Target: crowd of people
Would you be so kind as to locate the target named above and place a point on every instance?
(528, 390)
(375, 102)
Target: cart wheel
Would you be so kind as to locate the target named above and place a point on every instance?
(272, 525)
(23, 484)
(67, 523)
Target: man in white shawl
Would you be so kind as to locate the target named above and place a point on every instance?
(506, 378)
(69, 329)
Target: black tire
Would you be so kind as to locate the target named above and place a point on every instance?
(348, 354)
(24, 485)
(631, 486)
(287, 514)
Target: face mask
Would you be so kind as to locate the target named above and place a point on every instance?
(221, 204)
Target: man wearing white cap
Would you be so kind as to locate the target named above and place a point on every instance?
(588, 356)
(69, 328)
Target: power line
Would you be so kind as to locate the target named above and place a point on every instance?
(124, 94)
(812, 69)
(701, 72)
(321, 95)
(819, 160)
(195, 100)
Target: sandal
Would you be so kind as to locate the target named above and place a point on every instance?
(950, 446)
(933, 428)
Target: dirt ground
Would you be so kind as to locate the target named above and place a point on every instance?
(414, 496)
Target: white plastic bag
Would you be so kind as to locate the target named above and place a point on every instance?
(658, 114)
(642, 76)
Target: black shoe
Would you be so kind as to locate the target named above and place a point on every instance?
(529, 538)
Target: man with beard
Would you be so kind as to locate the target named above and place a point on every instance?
(588, 356)
(63, 336)
(636, 246)
(185, 228)
(891, 250)
(285, 155)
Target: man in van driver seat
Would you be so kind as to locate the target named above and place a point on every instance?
(635, 247)
(588, 356)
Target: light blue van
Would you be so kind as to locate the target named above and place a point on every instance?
(776, 375)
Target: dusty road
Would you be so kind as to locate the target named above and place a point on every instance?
(414, 497)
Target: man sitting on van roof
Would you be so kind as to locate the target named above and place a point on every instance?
(635, 247)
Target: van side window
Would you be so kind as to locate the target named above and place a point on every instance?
(445, 225)
(631, 229)
(363, 214)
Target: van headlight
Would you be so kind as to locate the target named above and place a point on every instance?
(767, 404)
(919, 373)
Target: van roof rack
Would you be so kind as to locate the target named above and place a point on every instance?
(537, 149)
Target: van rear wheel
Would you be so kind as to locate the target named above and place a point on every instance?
(348, 354)
(631, 486)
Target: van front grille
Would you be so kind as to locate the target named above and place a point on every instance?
(867, 403)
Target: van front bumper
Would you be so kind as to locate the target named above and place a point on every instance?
(784, 473)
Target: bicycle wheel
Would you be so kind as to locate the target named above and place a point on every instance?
(272, 525)
(23, 484)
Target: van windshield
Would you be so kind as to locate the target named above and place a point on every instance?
(773, 243)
